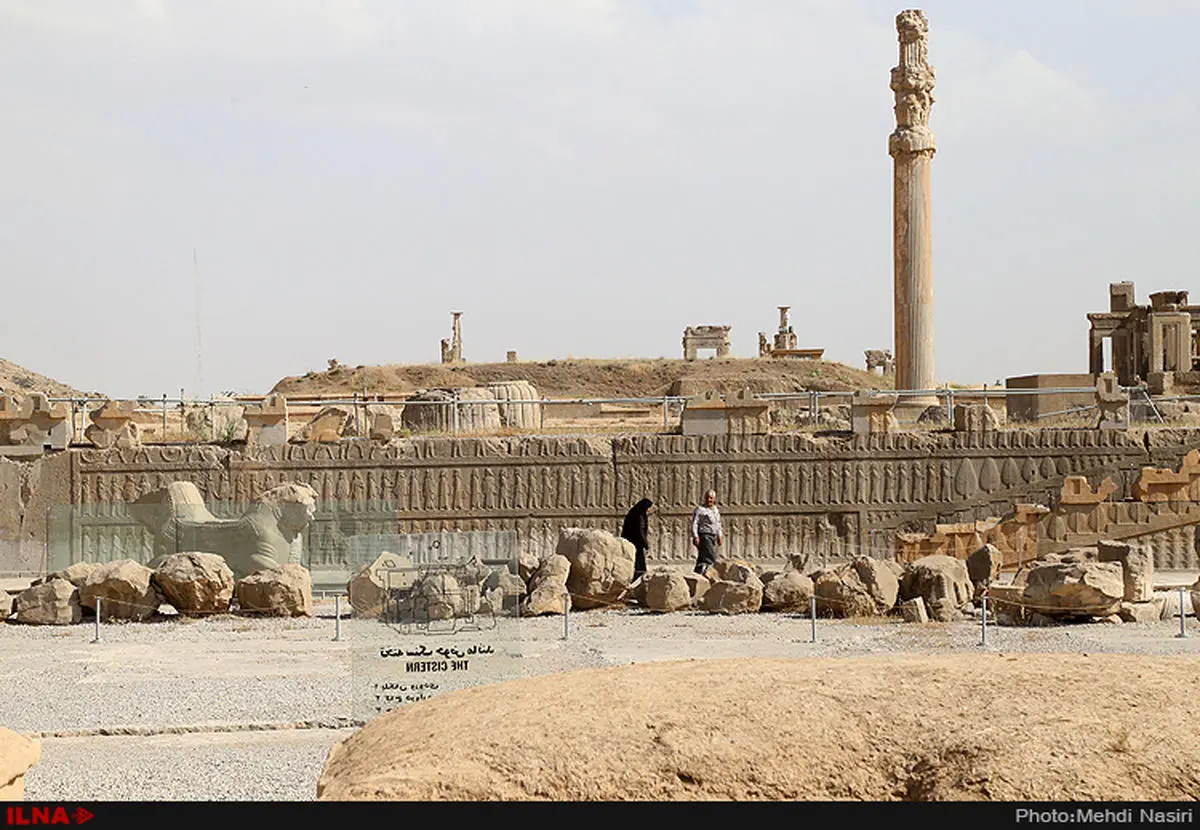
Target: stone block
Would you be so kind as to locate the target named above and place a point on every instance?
(1137, 567)
(974, 418)
(267, 423)
(913, 610)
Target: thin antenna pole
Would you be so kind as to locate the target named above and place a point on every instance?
(199, 350)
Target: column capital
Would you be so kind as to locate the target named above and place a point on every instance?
(912, 82)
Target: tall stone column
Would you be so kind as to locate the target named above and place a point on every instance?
(912, 147)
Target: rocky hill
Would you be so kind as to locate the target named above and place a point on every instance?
(18, 381)
(593, 378)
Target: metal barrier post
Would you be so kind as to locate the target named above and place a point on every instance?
(566, 614)
(983, 642)
(96, 638)
(812, 613)
(666, 416)
(337, 617)
(1182, 614)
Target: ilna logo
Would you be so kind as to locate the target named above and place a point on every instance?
(17, 816)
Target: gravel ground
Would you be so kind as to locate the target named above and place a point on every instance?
(237, 672)
(239, 766)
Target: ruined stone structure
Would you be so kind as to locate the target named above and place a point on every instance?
(1161, 513)
(34, 424)
(267, 423)
(779, 494)
(736, 414)
(912, 147)
(785, 341)
(452, 348)
(705, 337)
(1158, 344)
(872, 414)
(880, 359)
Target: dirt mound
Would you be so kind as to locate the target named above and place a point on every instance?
(1033, 727)
(19, 381)
(593, 378)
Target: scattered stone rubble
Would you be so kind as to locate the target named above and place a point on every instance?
(191, 584)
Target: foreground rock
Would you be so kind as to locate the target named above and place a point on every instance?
(78, 573)
(53, 602)
(195, 584)
(1075, 588)
(629, 735)
(788, 591)
(1142, 612)
(862, 588)
(942, 582)
(547, 587)
(502, 592)
(601, 566)
(737, 591)
(666, 591)
(124, 590)
(368, 589)
(6, 605)
(698, 586)
(983, 566)
(282, 592)
(913, 610)
(1137, 568)
(440, 596)
(18, 755)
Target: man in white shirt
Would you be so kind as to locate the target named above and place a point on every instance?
(706, 532)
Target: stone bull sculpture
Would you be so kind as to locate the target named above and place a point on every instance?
(266, 537)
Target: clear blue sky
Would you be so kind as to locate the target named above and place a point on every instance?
(579, 177)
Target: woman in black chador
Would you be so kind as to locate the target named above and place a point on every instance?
(636, 530)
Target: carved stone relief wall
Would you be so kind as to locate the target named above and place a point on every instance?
(778, 494)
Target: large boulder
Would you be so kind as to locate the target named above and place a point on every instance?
(440, 596)
(279, 592)
(78, 573)
(501, 591)
(527, 565)
(547, 587)
(862, 588)
(983, 566)
(1142, 612)
(124, 589)
(195, 584)
(735, 570)
(601, 566)
(6, 605)
(1137, 567)
(18, 755)
(53, 602)
(1080, 588)
(698, 585)
(328, 425)
(729, 597)
(943, 582)
(788, 591)
(369, 587)
(665, 591)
